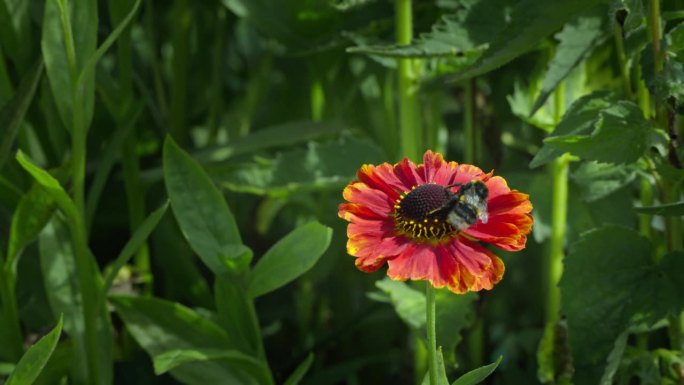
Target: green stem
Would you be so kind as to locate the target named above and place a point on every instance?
(179, 90)
(317, 99)
(559, 212)
(409, 120)
(430, 311)
(624, 70)
(10, 311)
(655, 29)
(216, 88)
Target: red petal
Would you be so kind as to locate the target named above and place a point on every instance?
(382, 178)
(375, 200)
(482, 270)
(407, 173)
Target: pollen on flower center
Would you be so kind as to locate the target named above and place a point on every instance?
(415, 216)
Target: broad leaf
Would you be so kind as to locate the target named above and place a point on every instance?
(621, 135)
(531, 21)
(203, 215)
(291, 257)
(162, 327)
(580, 118)
(35, 358)
(320, 166)
(598, 180)
(610, 281)
(463, 35)
(174, 358)
(577, 39)
(281, 135)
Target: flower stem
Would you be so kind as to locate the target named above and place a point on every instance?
(409, 121)
(559, 213)
(431, 332)
(618, 32)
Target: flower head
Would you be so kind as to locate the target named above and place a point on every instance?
(426, 221)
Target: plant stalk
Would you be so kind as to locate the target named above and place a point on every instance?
(430, 309)
(409, 120)
(618, 33)
(10, 311)
(470, 148)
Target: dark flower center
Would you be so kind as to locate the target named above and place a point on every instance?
(417, 213)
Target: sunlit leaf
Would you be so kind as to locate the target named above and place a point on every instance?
(531, 21)
(291, 257)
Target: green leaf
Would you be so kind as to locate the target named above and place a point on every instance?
(289, 258)
(174, 358)
(620, 135)
(454, 314)
(575, 42)
(236, 313)
(35, 358)
(478, 375)
(133, 244)
(675, 38)
(12, 114)
(60, 279)
(298, 375)
(282, 135)
(611, 282)
(320, 166)
(531, 21)
(580, 118)
(598, 180)
(441, 371)
(63, 70)
(161, 327)
(49, 183)
(203, 215)
(32, 214)
(409, 303)
(667, 210)
(463, 35)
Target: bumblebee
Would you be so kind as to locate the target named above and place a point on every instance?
(465, 206)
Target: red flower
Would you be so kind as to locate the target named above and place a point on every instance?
(399, 215)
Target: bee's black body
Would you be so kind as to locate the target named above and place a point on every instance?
(465, 206)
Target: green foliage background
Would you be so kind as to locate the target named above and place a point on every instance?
(170, 173)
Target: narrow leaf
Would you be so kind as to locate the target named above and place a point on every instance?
(35, 358)
(12, 114)
(478, 375)
(32, 214)
(203, 215)
(133, 245)
(667, 210)
(298, 375)
(174, 358)
(291, 257)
